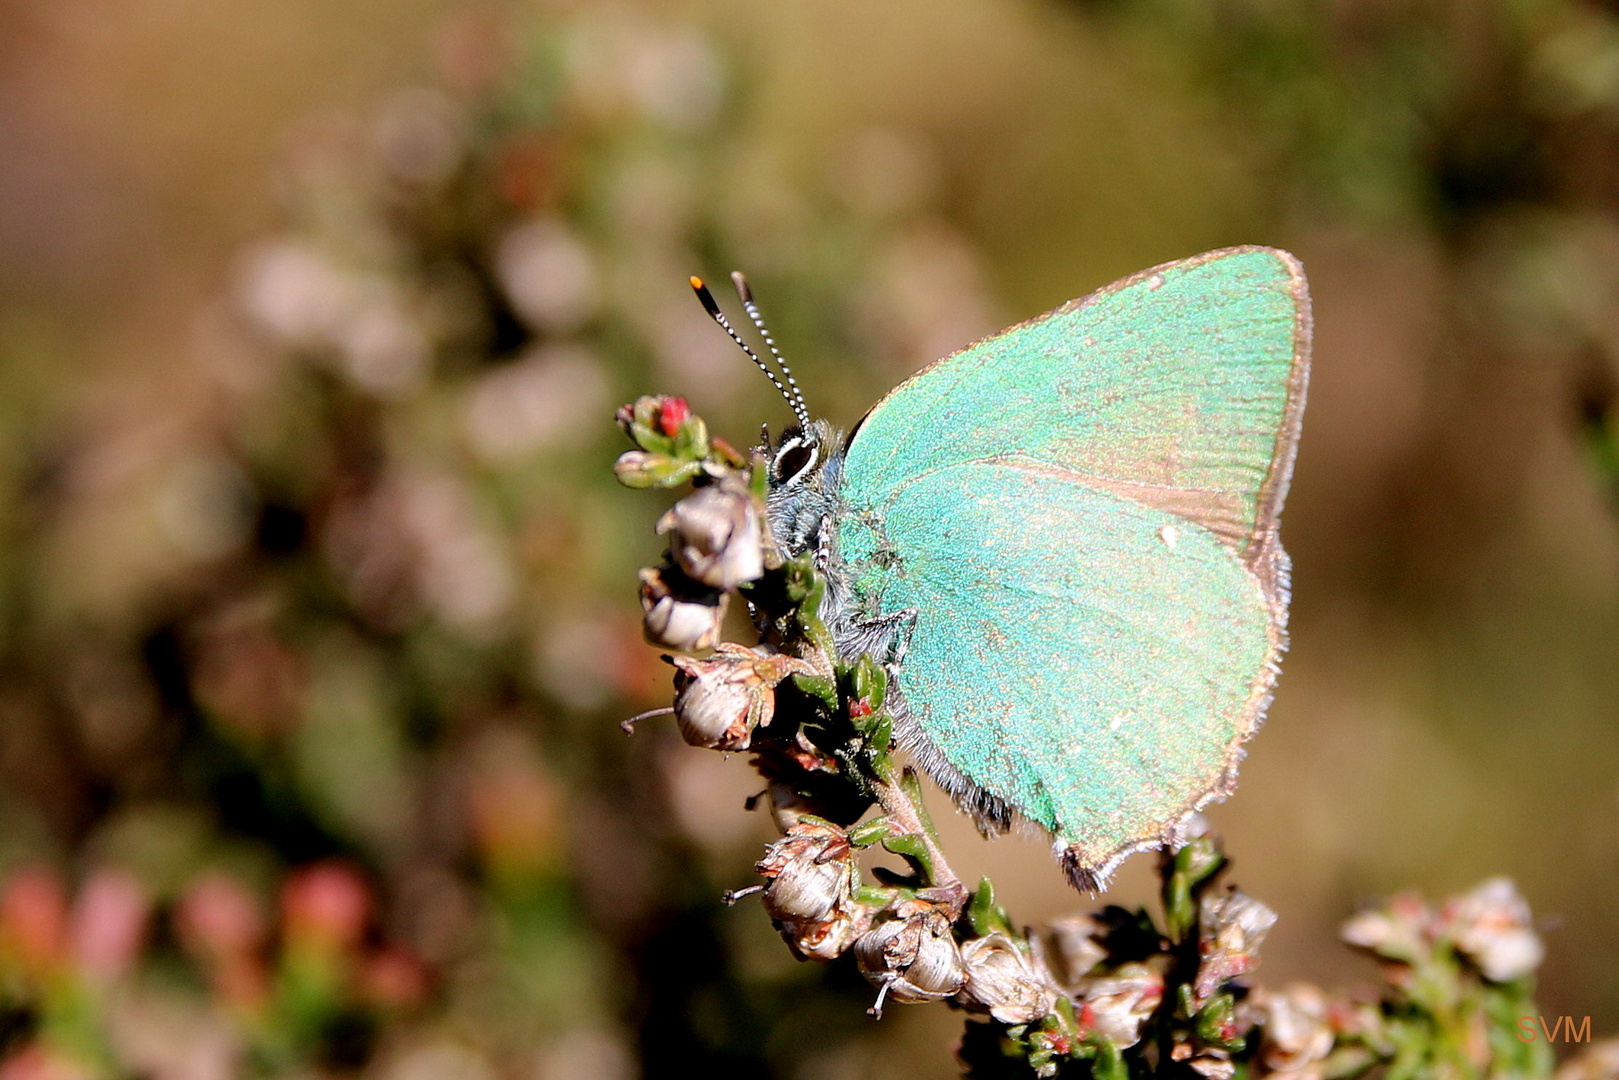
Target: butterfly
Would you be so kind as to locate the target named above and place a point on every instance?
(1061, 542)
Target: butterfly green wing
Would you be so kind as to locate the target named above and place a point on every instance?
(1083, 511)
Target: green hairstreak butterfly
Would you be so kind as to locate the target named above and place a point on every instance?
(1062, 541)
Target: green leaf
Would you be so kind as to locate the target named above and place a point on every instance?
(1109, 1063)
(820, 687)
(691, 439)
(642, 469)
(869, 682)
(909, 845)
(984, 914)
(868, 833)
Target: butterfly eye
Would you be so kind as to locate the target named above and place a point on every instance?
(795, 458)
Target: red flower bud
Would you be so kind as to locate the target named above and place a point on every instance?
(672, 414)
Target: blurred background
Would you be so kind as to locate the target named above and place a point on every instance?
(317, 596)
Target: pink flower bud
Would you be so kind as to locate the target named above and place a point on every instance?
(395, 979)
(1233, 927)
(326, 904)
(217, 916)
(109, 924)
(220, 923)
(1297, 1032)
(1116, 1006)
(1491, 927)
(672, 412)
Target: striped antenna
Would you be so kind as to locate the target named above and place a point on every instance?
(796, 403)
(746, 295)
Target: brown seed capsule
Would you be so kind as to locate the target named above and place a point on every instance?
(810, 896)
(679, 617)
(716, 534)
(1004, 981)
(914, 958)
(811, 872)
(721, 699)
(831, 938)
(716, 704)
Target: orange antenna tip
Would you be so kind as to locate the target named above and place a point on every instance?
(709, 303)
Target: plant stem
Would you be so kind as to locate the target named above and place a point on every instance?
(909, 817)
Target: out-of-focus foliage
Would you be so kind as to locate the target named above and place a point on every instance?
(1492, 127)
(372, 671)
(312, 647)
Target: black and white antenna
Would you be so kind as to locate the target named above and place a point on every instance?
(745, 294)
(794, 397)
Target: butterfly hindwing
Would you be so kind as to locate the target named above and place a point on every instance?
(1083, 510)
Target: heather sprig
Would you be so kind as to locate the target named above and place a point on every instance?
(1118, 994)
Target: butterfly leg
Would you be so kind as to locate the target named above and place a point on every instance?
(825, 537)
(887, 637)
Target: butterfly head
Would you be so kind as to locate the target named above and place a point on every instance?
(805, 466)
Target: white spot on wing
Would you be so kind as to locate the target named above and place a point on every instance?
(1169, 535)
(1116, 723)
(1155, 282)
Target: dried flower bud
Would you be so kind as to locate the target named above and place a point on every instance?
(679, 617)
(1233, 927)
(1599, 1062)
(788, 805)
(1297, 1031)
(810, 895)
(913, 958)
(1075, 949)
(720, 700)
(716, 534)
(1491, 927)
(716, 705)
(1004, 981)
(811, 872)
(1119, 1005)
(1213, 1064)
(1395, 931)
